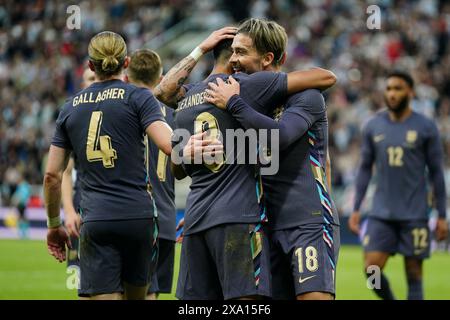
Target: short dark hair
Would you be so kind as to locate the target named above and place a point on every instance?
(402, 75)
(145, 66)
(223, 49)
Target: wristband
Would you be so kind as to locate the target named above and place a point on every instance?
(196, 54)
(53, 222)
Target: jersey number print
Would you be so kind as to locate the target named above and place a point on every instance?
(205, 121)
(395, 156)
(99, 148)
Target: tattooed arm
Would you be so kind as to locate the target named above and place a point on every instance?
(170, 90)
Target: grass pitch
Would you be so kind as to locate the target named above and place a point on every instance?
(28, 272)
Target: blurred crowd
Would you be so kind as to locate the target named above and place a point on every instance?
(41, 62)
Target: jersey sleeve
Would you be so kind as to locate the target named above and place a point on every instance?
(147, 107)
(434, 160)
(60, 137)
(365, 168)
(303, 111)
(308, 104)
(264, 90)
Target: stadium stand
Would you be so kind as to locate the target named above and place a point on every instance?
(38, 55)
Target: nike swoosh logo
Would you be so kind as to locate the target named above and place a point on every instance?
(300, 280)
(378, 138)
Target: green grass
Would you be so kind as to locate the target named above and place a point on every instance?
(28, 272)
(351, 282)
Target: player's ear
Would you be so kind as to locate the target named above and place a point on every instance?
(126, 62)
(91, 66)
(229, 68)
(267, 59)
(159, 79)
(283, 58)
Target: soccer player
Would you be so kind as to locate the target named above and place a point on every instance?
(402, 144)
(70, 193)
(104, 125)
(225, 248)
(145, 70)
(303, 219)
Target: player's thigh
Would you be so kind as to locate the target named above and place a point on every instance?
(138, 247)
(316, 296)
(380, 236)
(375, 259)
(415, 238)
(110, 296)
(164, 268)
(98, 251)
(242, 256)
(132, 292)
(312, 252)
(197, 278)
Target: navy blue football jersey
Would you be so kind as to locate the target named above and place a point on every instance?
(105, 125)
(401, 152)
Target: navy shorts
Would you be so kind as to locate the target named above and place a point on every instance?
(228, 261)
(114, 252)
(409, 238)
(163, 277)
(304, 260)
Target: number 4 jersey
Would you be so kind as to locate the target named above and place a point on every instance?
(104, 125)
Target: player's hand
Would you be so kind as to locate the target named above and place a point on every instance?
(353, 222)
(214, 149)
(441, 229)
(180, 226)
(57, 239)
(72, 224)
(219, 94)
(214, 38)
(194, 146)
(198, 147)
